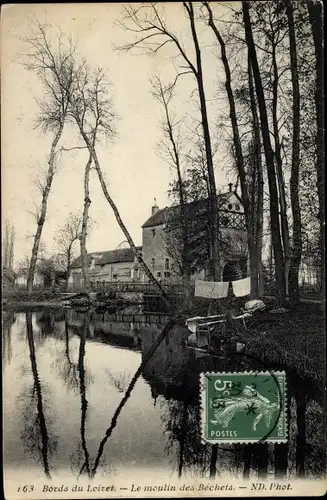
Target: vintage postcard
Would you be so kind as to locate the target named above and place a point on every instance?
(163, 255)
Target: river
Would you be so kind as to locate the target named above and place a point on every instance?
(70, 402)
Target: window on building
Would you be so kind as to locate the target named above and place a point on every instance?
(167, 274)
(230, 206)
(224, 220)
(166, 263)
(114, 277)
(237, 207)
(153, 233)
(153, 262)
(158, 274)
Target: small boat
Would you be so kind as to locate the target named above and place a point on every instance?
(194, 323)
(214, 334)
(214, 338)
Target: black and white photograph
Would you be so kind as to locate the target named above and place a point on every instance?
(163, 249)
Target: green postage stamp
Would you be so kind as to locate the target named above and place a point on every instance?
(247, 407)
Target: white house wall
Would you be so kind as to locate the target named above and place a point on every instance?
(154, 247)
(233, 203)
(119, 271)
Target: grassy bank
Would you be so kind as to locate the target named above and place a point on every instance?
(21, 299)
(295, 341)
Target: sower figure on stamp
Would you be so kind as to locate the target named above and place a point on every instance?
(250, 401)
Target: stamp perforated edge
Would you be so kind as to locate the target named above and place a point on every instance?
(203, 408)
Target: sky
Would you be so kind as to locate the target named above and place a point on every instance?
(134, 172)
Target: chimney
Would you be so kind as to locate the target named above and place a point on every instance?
(155, 207)
(230, 186)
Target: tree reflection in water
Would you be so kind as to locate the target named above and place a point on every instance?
(31, 433)
(81, 371)
(173, 374)
(182, 424)
(182, 421)
(8, 318)
(129, 390)
(183, 431)
(76, 379)
(63, 360)
(69, 368)
(121, 380)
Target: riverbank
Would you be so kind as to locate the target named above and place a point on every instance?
(21, 300)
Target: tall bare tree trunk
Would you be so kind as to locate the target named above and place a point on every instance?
(119, 220)
(279, 169)
(43, 211)
(315, 10)
(216, 272)
(296, 254)
(150, 30)
(239, 158)
(87, 203)
(186, 272)
(258, 230)
(69, 253)
(6, 246)
(11, 248)
(269, 155)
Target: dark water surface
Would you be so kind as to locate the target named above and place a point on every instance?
(65, 404)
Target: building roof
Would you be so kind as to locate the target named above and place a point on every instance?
(107, 257)
(195, 207)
